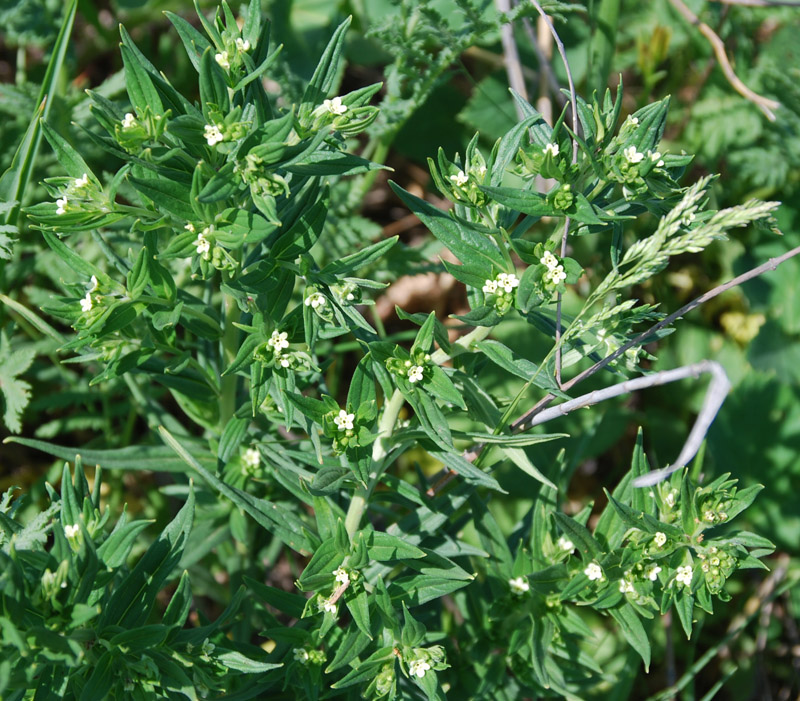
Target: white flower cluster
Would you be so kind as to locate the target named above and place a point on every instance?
(129, 121)
(566, 545)
(519, 586)
(316, 300)
(684, 575)
(278, 342)
(328, 606)
(418, 668)
(344, 421)
(251, 458)
(79, 184)
(212, 133)
(87, 302)
(551, 149)
(341, 575)
(334, 106)
(504, 282)
(202, 243)
(655, 156)
(460, 179)
(632, 155)
(555, 271)
(594, 572)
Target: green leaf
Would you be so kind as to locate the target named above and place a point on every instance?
(131, 603)
(507, 359)
(359, 259)
(472, 248)
(213, 86)
(241, 663)
(16, 392)
(520, 458)
(524, 201)
(116, 548)
(631, 626)
(287, 602)
(322, 81)
(584, 541)
(169, 196)
(140, 87)
(14, 182)
(271, 516)
(350, 647)
(67, 156)
(358, 606)
(193, 41)
(467, 470)
(383, 547)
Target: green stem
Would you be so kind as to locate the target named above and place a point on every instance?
(230, 346)
(391, 411)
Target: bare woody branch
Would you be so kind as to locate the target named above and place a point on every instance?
(765, 104)
(511, 57)
(525, 421)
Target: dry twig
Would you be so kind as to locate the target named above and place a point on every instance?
(765, 104)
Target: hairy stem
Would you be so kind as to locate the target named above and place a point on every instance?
(391, 411)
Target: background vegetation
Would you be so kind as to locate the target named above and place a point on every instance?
(461, 88)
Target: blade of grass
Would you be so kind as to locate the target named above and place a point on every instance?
(15, 180)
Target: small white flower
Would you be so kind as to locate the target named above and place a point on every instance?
(556, 275)
(551, 149)
(415, 373)
(189, 227)
(72, 530)
(659, 539)
(670, 498)
(594, 572)
(335, 106)
(418, 668)
(660, 163)
(301, 655)
(722, 516)
(329, 607)
(481, 171)
(344, 422)
(222, 59)
(203, 245)
(285, 360)
(631, 121)
(341, 576)
(684, 575)
(242, 45)
(709, 516)
(626, 586)
(549, 260)
(212, 133)
(632, 155)
(62, 205)
(519, 586)
(251, 457)
(94, 283)
(315, 299)
(490, 287)
(81, 182)
(652, 572)
(128, 121)
(566, 544)
(460, 178)
(86, 302)
(655, 156)
(508, 281)
(278, 341)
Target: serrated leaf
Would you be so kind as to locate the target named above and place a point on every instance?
(16, 392)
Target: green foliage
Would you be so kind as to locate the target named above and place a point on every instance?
(212, 271)
(78, 621)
